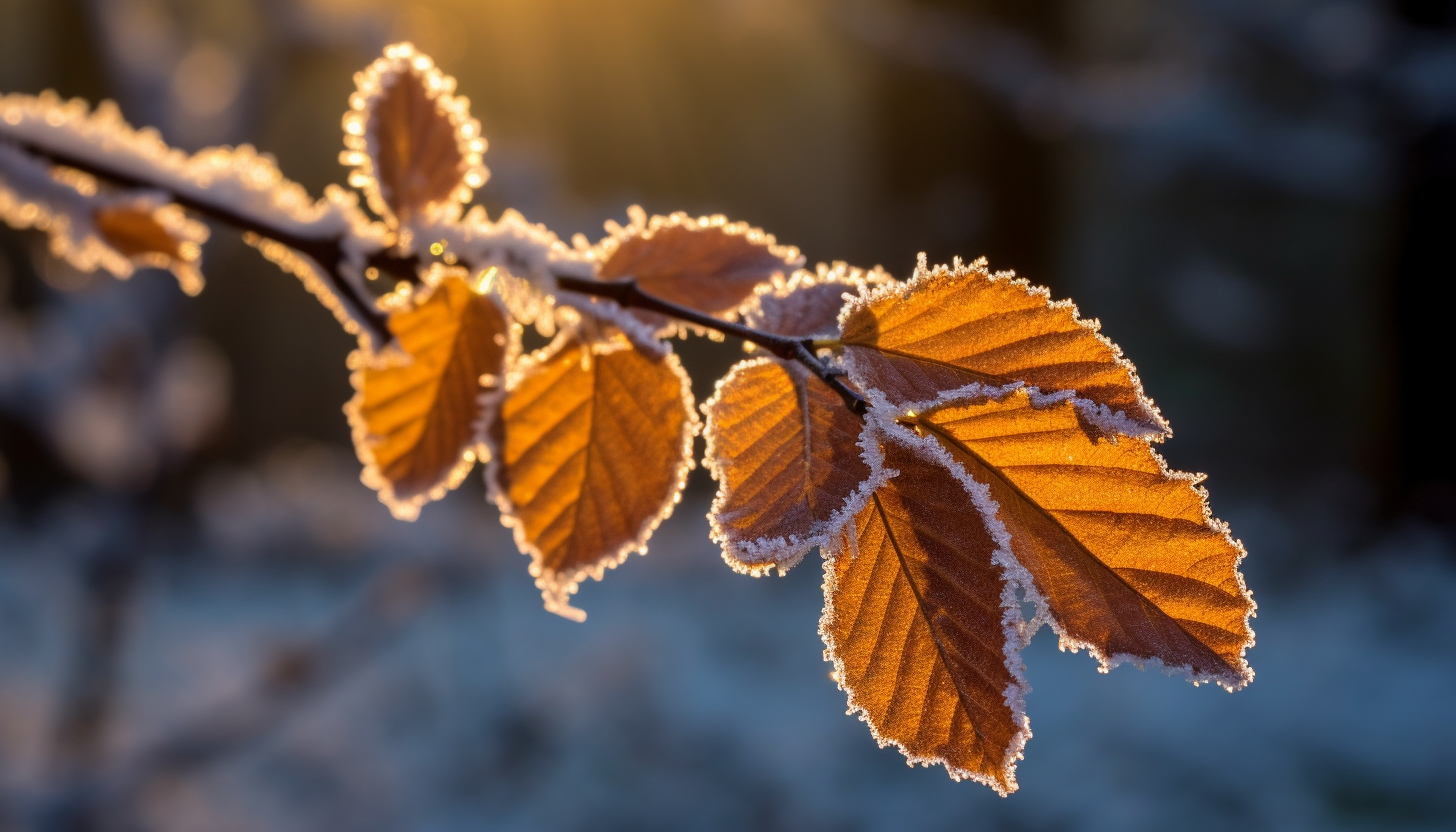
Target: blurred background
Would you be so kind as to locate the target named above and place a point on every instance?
(208, 623)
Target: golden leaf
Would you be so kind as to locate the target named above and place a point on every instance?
(418, 413)
(411, 142)
(922, 624)
(1125, 554)
(595, 439)
(781, 445)
(160, 238)
(134, 232)
(950, 327)
(707, 264)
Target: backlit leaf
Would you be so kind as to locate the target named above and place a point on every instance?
(161, 238)
(781, 445)
(707, 264)
(950, 327)
(1124, 552)
(411, 142)
(418, 412)
(922, 624)
(595, 442)
(807, 304)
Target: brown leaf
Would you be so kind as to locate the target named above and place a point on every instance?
(596, 441)
(922, 625)
(807, 305)
(781, 445)
(951, 327)
(412, 143)
(1125, 552)
(417, 416)
(707, 264)
(160, 238)
(134, 232)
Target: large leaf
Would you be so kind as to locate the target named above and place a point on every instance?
(950, 327)
(923, 626)
(781, 445)
(1124, 552)
(412, 144)
(418, 412)
(595, 441)
(707, 263)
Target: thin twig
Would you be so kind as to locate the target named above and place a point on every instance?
(327, 252)
(627, 294)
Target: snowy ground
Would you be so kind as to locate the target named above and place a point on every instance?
(697, 699)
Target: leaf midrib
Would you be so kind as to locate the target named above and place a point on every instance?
(957, 445)
(929, 622)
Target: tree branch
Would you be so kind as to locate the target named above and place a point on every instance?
(627, 294)
(327, 252)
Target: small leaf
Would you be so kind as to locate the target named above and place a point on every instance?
(781, 445)
(921, 624)
(807, 305)
(418, 412)
(951, 327)
(595, 441)
(135, 232)
(161, 238)
(413, 145)
(1124, 552)
(707, 264)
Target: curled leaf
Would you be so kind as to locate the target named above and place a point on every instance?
(782, 447)
(412, 143)
(595, 442)
(707, 263)
(921, 623)
(1124, 553)
(950, 327)
(418, 412)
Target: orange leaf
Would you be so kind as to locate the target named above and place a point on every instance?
(595, 441)
(1124, 552)
(162, 238)
(707, 264)
(413, 145)
(134, 232)
(781, 445)
(951, 327)
(417, 416)
(922, 624)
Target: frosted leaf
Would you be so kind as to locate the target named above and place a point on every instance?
(118, 231)
(594, 444)
(420, 408)
(807, 305)
(249, 184)
(1124, 555)
(783, 449)
(706, 263)
(952, 326)
(922, 622)
(412, 145)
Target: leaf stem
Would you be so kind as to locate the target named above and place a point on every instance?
(627, 294)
